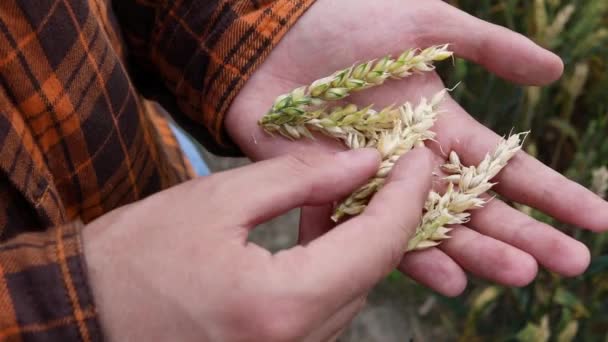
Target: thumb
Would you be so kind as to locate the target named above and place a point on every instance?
(350, 259)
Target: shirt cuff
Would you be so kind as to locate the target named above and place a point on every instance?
(44, 290)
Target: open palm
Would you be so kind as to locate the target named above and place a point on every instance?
(500, 243)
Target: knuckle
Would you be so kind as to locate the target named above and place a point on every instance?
(301, 163)
(273, 313)
(277, 320)
(395, 254)
(305, 170)
(525, 224)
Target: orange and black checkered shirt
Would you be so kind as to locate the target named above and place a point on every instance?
(80, 135)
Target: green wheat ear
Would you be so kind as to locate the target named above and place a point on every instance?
(343, 83)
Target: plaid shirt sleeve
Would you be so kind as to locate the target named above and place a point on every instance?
(43, 288)
(67, 156)
(194, 56)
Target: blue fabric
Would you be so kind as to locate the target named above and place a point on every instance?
(191, 151)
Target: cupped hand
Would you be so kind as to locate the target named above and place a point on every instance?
(500, 243)
(177, 266)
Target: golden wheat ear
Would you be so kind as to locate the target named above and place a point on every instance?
(411, 129)
(465, 186)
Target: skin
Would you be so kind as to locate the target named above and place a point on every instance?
(186, 277)
(177, 266)
(500, 243)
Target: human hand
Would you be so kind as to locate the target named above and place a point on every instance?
(500, 243)
(177, 266)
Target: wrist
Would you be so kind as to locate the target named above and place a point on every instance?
(127, 307)
(106, 282)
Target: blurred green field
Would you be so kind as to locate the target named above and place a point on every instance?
(569, 125)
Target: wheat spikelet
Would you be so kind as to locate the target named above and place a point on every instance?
(466, 184)
(355, 127)
(288, 107)
(599, 181)
(410, 130)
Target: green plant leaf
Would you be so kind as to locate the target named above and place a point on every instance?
(535, 332)
(569, 300)
(565, 128)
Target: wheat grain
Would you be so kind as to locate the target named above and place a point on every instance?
(355, 127)
(465, 185)
(410, 130)
(290, 106)
(393, 131)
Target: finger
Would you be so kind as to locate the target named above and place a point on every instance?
(551, 248)
(333, 327)
(314, 222)
(351, 258)
(270, 188)
(436, 270)
(525, 179)
(502, 51)
(490, 259)
(409, 182)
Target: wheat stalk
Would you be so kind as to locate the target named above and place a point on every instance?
(288, 107)
(410, 130)
(465, 185)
